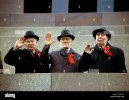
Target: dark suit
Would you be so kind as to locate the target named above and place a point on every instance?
(59, 60)
(25, 62)
(99, 61)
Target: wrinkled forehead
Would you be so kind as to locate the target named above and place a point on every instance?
(100, 33)
(65, 37)
(30, 39)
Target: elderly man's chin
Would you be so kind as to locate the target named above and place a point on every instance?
(65, 46)
(101, 43)
(31, 48)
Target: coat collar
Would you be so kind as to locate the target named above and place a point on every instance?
(99, 48)
(63, 52)
(34, 53)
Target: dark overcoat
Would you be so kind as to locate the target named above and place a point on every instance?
(25, 62)
(59, 60)
(98, 61)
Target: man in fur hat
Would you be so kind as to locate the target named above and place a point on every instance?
(26, 60)
(63, 60)
(103, 57)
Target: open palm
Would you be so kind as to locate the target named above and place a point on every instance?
(20, 42)
(48, 39)
(88, 48)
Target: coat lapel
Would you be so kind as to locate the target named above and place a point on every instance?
(97, 48)
(62, 52)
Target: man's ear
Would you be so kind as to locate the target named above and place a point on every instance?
(71, 39)
(36, 42)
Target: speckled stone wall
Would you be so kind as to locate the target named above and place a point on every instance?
(64, 82)
(90, 82)
(25, 82)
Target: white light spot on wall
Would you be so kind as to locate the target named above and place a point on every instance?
(5, 19)
(93, 19)
(79, 84)
(109, 6)
(19, 83)
(19, 6)
(34, 19)
(79, 6)
(49, 6)
(123, 19)
(64, 19)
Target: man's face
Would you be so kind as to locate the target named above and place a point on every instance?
(65, 42)
(101, 38)
(30, 44)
